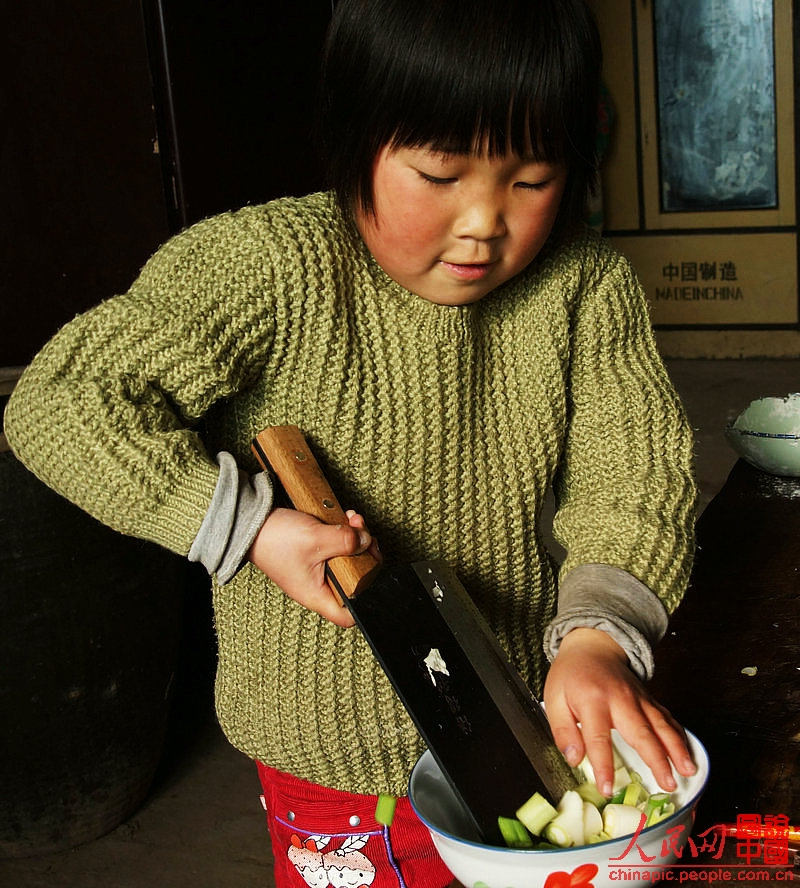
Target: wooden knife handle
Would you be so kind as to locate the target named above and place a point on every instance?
(285, 450)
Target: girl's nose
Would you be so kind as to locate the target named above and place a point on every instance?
(481, 219)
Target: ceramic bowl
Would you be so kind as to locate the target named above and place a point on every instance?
(767, 435)
(633, 861)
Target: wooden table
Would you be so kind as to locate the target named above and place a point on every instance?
(742, 612)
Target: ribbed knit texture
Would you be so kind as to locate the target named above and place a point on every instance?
(445, 426)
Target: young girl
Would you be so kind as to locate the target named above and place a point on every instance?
(453, 345)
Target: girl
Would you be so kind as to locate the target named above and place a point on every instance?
(454, 345)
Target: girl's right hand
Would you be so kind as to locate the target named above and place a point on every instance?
(291, 549)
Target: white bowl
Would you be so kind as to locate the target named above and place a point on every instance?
(767, 435)
(606, 863)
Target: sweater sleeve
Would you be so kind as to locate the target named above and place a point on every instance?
(107, 413)
(625, 490)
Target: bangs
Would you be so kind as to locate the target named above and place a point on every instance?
(505, 127)
(458, 76)
(503, 92)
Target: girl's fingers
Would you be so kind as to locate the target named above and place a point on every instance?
(654, 755)
(672, 738)
(660, 741)
(324, 602)
(568, 739)
(597, 741)
(335, 540)
(357, 521)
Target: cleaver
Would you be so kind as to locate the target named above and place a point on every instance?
(486, 731)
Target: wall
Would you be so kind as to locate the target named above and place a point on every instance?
(123, 122)
(82, 196)
(720, 283)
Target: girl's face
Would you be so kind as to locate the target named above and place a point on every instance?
(453, 227)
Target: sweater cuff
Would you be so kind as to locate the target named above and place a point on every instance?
(238, 509)
(599, 596)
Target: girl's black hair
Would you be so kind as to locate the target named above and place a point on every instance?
(510, 74)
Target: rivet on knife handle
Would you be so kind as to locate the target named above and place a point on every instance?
(286, 451)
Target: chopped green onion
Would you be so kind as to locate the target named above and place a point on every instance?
(514, 833)
(384, 809)
(621, 820)
(655, 802)
(634, 793)
(598, 837)
(558, 835)
(566, 828)
(584, 816)
(617, 798)
(536, 813)
(622, 777)
(592, 821)
(590, 793)
(666, 810)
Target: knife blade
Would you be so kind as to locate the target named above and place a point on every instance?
(482, 724)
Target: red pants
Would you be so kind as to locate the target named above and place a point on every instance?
(323, 837)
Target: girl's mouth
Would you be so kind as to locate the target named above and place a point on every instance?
(469, 272)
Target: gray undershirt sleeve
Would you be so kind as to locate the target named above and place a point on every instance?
(238, 509)
(599, 596)
(596, 596)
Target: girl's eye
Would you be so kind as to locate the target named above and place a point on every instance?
(533, 186)
(437, 180)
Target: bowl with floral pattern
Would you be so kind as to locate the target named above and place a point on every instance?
(634, 859)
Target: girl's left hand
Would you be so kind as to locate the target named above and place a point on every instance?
(591, 683)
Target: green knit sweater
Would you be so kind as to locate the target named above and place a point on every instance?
(445, 426)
